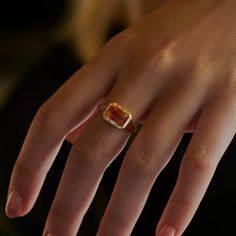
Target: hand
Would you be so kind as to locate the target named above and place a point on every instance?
(175, 70)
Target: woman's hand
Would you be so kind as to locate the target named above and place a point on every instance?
(176, 71)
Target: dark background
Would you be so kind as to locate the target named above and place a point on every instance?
(32, 67)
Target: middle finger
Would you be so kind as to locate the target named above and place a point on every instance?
(97, 146)
(148, 155)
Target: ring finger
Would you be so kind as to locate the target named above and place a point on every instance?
(148, 155)
(97, 146)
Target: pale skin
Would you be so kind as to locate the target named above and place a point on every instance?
(176, 71)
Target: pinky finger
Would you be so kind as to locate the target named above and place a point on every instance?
(214, 132)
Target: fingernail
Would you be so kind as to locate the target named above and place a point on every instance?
(167, 230)
(14, 204)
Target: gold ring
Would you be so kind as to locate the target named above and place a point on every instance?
(117, 116)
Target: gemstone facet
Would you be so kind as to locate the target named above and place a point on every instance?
(117, 116)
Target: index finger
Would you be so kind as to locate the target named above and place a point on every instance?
(67, 109)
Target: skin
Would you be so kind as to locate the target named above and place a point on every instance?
(184, 65)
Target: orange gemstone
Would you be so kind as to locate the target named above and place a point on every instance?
(115, 115)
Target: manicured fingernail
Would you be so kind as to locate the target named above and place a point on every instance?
(14, 204)
(167, 230)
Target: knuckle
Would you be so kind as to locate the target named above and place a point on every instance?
(115, 223)
(118, 42)
(58, 214)
(150, 63)
(140, 162)
(203, 160)
(157, 62)
(47, 118)
(90, 152)
(163, 55)
(182, 200)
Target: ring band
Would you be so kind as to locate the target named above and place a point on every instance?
(117, 116)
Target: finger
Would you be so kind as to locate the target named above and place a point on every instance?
(96, 147)
(147, 156)
(214, 132)
(74, 134)
(73, 103)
